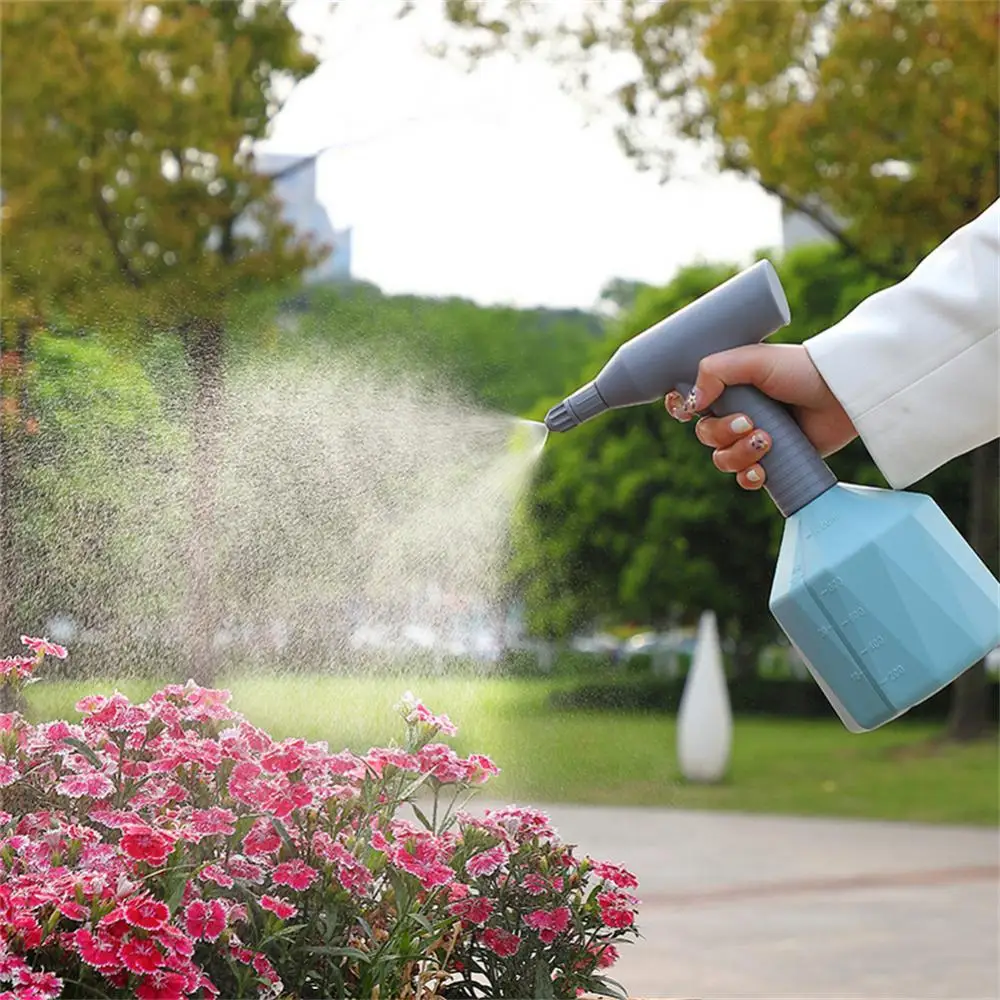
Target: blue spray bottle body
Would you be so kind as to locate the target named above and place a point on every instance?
(884, 600)
(876, 589)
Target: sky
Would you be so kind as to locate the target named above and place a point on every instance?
(493, 185)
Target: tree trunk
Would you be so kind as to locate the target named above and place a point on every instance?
(967, 716)
(204, 341)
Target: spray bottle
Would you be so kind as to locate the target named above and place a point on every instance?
(876, 589)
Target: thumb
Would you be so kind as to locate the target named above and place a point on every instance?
(758, 365)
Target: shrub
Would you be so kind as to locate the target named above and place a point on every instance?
(171, 849)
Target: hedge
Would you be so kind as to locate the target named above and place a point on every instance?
(749, 696)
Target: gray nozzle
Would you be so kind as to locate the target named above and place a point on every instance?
(583, 404)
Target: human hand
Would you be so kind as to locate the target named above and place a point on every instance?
(784, 372)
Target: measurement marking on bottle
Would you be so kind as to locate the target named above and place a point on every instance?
(897, 671)
(853, 616)
(831, 586)
(876, 642)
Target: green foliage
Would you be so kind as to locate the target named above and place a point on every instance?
(95, 437)
(128, 185)
(749, 696)
(500, 357)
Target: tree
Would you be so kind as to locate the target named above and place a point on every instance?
(131, 200)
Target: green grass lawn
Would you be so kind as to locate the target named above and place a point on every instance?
(812, 768)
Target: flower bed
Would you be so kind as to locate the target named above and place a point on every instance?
(171, 849)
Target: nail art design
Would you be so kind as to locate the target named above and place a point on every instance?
(753, 476)
(740, 425)
(693, 402)
(757, 441)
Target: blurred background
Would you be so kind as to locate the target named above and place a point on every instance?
(492, 195)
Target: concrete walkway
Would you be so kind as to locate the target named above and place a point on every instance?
(747, 906)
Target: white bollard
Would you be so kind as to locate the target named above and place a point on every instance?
(705, 718)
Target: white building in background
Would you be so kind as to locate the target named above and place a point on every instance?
(798, 230)
(295, 185)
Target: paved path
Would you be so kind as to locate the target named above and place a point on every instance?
(740, 906)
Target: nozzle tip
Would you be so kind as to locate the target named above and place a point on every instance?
(560, 418)
(576, 408)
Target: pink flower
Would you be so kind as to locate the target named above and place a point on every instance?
(213, 873)
(476, 910)
(246, 870)
(44, 647)
(91, 703)
(262, 966)
(145, 912)
(442, 762)
(18, 666)
(501, 942)
(607, 955)
(549, 925)
(417, 713)
(295, 874)
(379, 759)
(214, 821)
(8, 775)
(140, 955)
(204, 920)
(534, 884)
(176, 942)
(100, 951)
(616, 908)
(45, 985)
(143, 843)
(163, 986)
(285, 758)
(279, 907)
(72, 910)
(93, 785)
(487, 862)
(479, 769)
(615, 874)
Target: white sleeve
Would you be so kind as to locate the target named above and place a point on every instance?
(917, 366)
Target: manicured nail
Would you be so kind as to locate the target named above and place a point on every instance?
(753, 476)
(758, 441)
(693, 403)
(740, 425)
(675, 406)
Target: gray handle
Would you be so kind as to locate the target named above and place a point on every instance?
(796, 474)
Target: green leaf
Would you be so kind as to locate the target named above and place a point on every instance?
(605, 987)
(543, 982)
(82, 747)
(339, 952)
(421, 816)
(283, 833)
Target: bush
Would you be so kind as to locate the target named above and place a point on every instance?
(170, 849)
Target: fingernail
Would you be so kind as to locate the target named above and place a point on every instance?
(693, 402)
(740, 425)
(753, 475)
(675, 405)
(758, 441)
